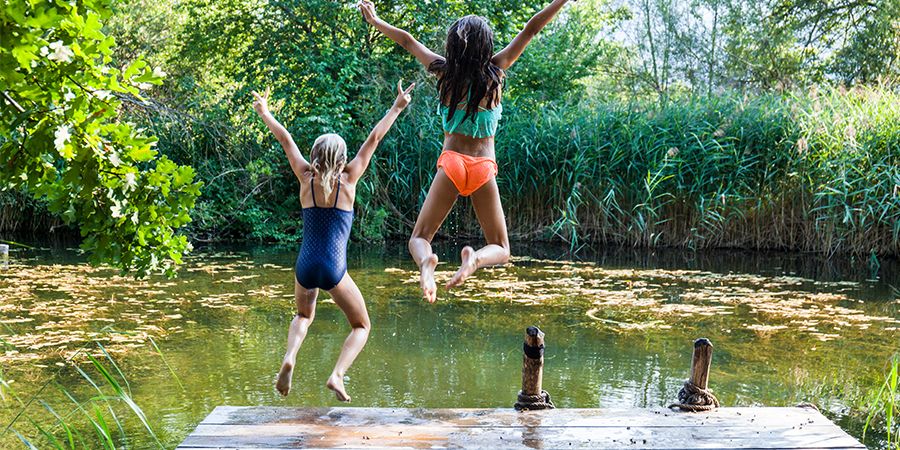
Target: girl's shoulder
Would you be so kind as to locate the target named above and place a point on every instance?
(346, 179)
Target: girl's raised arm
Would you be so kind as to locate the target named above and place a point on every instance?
(401, 37)
(298, 163)
(506, 57)
(360, 162)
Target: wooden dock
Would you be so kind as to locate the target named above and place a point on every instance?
(290, 428)
(532, 423)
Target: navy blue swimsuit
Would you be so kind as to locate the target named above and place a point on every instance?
(322, 261)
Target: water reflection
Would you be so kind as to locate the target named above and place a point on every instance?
(619, 327)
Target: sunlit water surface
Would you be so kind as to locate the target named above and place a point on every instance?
(619, 325)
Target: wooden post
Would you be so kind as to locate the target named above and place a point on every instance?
(533, 368)
(4, 256)
(700, 362)
(695, 395)
(532, 396)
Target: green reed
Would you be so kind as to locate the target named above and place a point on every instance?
(818, 171)
(71, 420)
(813, 171)
(885, 405)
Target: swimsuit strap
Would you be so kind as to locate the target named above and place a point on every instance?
(312, 187)
(337, 193)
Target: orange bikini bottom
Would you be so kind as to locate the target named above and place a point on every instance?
(468, 173)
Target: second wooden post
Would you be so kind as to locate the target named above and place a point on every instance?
(532, 396)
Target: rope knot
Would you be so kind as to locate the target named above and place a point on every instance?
(528, 402)
(693, 398)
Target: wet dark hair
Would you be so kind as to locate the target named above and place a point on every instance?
(467, 68)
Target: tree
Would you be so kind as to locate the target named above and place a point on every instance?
(873, 49)
(63, 138)
(328, 72)
(569, 50)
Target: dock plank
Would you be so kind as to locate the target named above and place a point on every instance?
(747, 428)
(656, 417)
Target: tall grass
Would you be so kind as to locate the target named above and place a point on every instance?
(885, 405)
(74, 420)
(817, 171)
(811, 171)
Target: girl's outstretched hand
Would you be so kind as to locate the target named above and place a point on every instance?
(403, 97)
(367, 8)
(261, 102)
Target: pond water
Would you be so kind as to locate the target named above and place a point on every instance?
(619, 325)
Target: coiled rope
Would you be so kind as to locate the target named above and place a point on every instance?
(527, 402)
(693, 398)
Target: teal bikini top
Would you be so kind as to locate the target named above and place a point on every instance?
(483, 124)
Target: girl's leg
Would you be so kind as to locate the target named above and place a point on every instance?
(306, 311)
(347, 296)
(441, 197)
(489, 211)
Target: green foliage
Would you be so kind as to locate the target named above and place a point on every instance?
(700, 46)
(77, 420)
(64, 140)
(885, 404)
(576, 54)
(717, 170)
(816, 172)
(606, 135)
(873, 51)
(328, 71)
(856, 40)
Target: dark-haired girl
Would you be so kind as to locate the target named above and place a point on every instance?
(470, 80)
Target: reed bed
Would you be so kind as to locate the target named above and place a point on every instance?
(818, 171)
(19, 212)
(815, 171)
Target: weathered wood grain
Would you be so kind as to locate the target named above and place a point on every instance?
(746, 428)
(701, 360)
(657, 417)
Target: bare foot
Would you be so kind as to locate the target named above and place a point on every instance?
(283, 381)
(426, 279)
(467, 267)
(336, 384)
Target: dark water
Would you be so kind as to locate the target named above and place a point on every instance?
(619, 326)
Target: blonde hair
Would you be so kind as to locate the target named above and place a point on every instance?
(329, 156)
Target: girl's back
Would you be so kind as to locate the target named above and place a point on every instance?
(322, 261)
